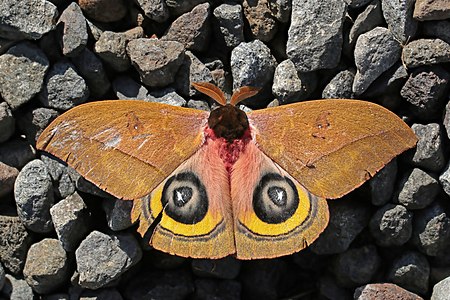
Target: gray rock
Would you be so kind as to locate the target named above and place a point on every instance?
(7, 122)
(446, 120)
(126, 88)
(370, 18)
(63, 88)
(155, 10)
(375, 52)
(399, 17)
(263, 24)
(16, 153)
(388, 84)
(28, 19)
(178, 7)
(229, 24)
(16, 289)
(33, 192)
(8, 176)
(437, 29)
(111, 47)
(166, 96)
(426, 52)
(91, 69)
(290, 85)
(281, 9)
(431, 233)
(60, 173)
(383, 183)
(118, 213)
(225, 268)
(22, 72)
(411, 271)
(213, 289)
(191, 29)
(356, 3)
(71, 219)
(391, 225)
(425, 90)
(340, 86)
(417, 189)
(429, 151)
(379, 291)
(82, 185)
(307, 49)
(104, 10)
(198, 104)
(33, 122)
(14, 244)
(192, 70)
(103, 258)
(73, 30)
(156, 61)
(347, 219)
(2, 277)
(444, 179)
(356, 266)
(431, 10)
(46, 267)
(441, 290)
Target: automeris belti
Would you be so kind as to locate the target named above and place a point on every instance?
(228, 183)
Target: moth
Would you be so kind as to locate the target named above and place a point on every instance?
(228, 182)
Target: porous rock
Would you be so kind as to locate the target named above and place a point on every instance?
(118, 213)
(429, 151)
(411, 271)
(33, 122)
(381, 291)
(8, 176)
(426, 52)
(104, 10)
(16, 289)
(431, 10)
(73, 29)
(383, 183)
(441, 290)
(399, 17)
(229, 24)
(155, 10)
(417, 189)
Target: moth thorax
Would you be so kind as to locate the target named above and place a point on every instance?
(228, 122)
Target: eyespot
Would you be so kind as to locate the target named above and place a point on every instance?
(275, 198)
(184, 198)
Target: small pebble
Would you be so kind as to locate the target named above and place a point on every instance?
(429, 151)
(155, 10)
(367, 20)
(73, 29)
(417, 189)
(411, 271)
(16, 289)
(263, 24)
(382, 291)
(425, 52)
(33, 122)
(444, 179)
(229, 24)
(441, 290)
(118, 213)
(340, 86)
(126, 88)
(399, 17)
(431, 10)
(383, 183)
(192, 70)
(111, 47)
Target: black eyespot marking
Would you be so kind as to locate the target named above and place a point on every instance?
(275, 198)
(184, 198)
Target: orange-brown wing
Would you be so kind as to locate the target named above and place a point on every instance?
(331, 146)
(125, 147)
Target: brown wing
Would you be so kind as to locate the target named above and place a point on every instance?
(125, 147)
(331, 146)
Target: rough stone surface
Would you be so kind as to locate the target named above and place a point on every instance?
(444, 179)
(71, 220)
(426, 52)
(73, 29)
(411, 271)
(308, 50)
(2, 277)
(192, 70)
(118, 213)
(367, 20)
(47, 266)
(8, 176)
(167, 96)
(225, 268)
(63, 87)
(417, 189)
(441, 290)
(7, 122)
(33, 122)
(381, 291)
(27, 19)
(16, 289)
(104, 10)
(156, 61)
(391, 225)
(429, 151)
(375, 52)
(127, 89)
(22, 71)
(229, 24)
(33, 192)
(63, 184)
(431, 10)
(263, 24)
(399, 17)
(155, 10)
(383, 183)
(340, 86)
(103, 258)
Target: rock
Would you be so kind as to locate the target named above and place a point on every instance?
(213, 289)
(63, 183)
(198, 104)
(417, 189)
(391, 225)
(263, 24)
(104, 10)
(155, 10)
(14, 244)
(431, 233)
(191, 29)
(118, 213)
(71, 219)
(381, 291)
(399, 17)
(370, 18)
(7, 122)
(385, 88)
(63, 88)
(91, 69)
(426, 52)
(2, 277)
(22, 72)
(441, 290)
(192, 70)
(375, 52)
(16, 153)
(166, 96)
(356, 266)
(429, 151)
(347, 219)
(411, 271)
(290, 85)
(383, 183)
(28, 19)
(229, 24)
(340, 86)
(308, 50)
(33, 192)
(156, 61)
(356, 3)
(16, 289)
(73, 30)
(33, 122)
(431, 10)
(437, 29)
(444, 179)
(127, 89)
(103, 258)
(8, 176)
(46, 267)
(179, 7)
(225, 268)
